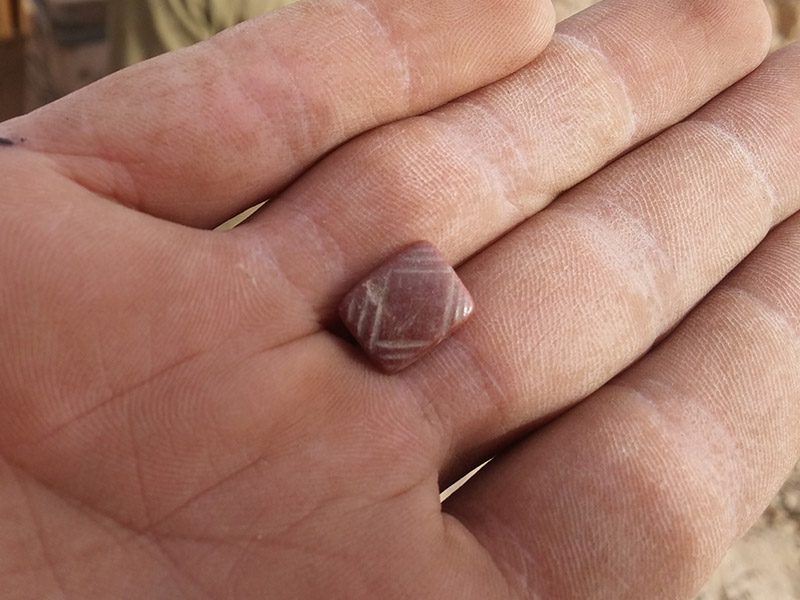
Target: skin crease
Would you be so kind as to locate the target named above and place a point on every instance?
(179, 423)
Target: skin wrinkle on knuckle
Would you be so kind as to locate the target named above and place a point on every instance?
(412, 156)
(398, 51)
(401, 164)
(312, 118)
(319, 243)
(767, 444)
(256, 277)
(732, 448)
(670, 492)
(662, 58)
(497, 180)
(621, 223)
(716, 464)
(750, 162)
(682, 520)
(481, 388)
(658, 505)
(777, 275)
(766, 131)
(596, 68)
(624, 248)
(770, 334)
(276, 102)
(769, 312)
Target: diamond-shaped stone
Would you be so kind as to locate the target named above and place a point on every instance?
(406, 306)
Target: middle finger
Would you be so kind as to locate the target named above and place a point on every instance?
(465, 174)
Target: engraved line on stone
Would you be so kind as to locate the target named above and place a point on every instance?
(351, 311)
(397, 357)
(419, 257)
(375, 296)
(400, 344)
(449, 309)
(394, 354)
(422, 260)
(362, 317)
(400, 355)
(376, 323)
(461, 305)
(421, 250)
(420, 271)
(466, 305)
(376, 290)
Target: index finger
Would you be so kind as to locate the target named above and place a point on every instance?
(201, 134)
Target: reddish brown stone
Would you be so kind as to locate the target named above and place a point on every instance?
(406, 306)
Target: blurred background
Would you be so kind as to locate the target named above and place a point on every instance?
(49, 48)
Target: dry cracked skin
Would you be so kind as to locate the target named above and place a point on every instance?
(765, 563)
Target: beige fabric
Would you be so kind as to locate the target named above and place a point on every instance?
(141, 29)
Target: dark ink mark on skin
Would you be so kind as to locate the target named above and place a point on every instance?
(6, 142)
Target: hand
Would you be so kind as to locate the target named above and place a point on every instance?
(178, 420)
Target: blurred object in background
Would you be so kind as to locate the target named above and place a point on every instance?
(141, 29)
(7, 19)
(13, 30)
(567, 8)
(785, 21)
(66, 49)
(13, 20)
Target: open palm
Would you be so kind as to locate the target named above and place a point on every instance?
(179, 418)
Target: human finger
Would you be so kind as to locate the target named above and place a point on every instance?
(578, 293)
(198, 135)
(639, 490)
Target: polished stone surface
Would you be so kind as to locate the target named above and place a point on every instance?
(406, 306)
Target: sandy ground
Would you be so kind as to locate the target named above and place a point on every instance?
(765, 563)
